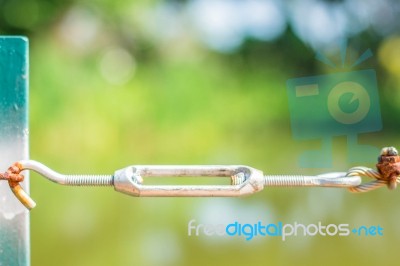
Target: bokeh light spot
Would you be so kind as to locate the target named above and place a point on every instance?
(389, 55)
(117, 66)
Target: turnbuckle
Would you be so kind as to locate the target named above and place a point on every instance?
(244, 180)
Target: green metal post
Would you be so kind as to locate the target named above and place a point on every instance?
(14, 218)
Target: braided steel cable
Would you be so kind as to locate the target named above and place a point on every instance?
(367, 172)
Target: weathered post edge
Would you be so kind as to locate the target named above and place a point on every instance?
(14, 139)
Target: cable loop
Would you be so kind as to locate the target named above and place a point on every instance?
(362, 171)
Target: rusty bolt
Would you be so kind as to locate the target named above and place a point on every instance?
(389, 166)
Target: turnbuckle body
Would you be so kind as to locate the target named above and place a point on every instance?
(244, 180)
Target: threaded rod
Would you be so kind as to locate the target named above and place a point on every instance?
(89, 180)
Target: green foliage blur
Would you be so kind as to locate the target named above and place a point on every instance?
(106, 91)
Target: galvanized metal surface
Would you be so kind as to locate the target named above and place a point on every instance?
(14, 218)
(130, 180)
(245, 180)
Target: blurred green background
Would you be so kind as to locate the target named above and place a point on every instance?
(116, 83)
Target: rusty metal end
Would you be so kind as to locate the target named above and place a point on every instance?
(389, 166)
(21, 195)
(14, 177)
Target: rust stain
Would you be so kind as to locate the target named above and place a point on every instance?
(14, 177)
(389, 166)
(13, 173)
